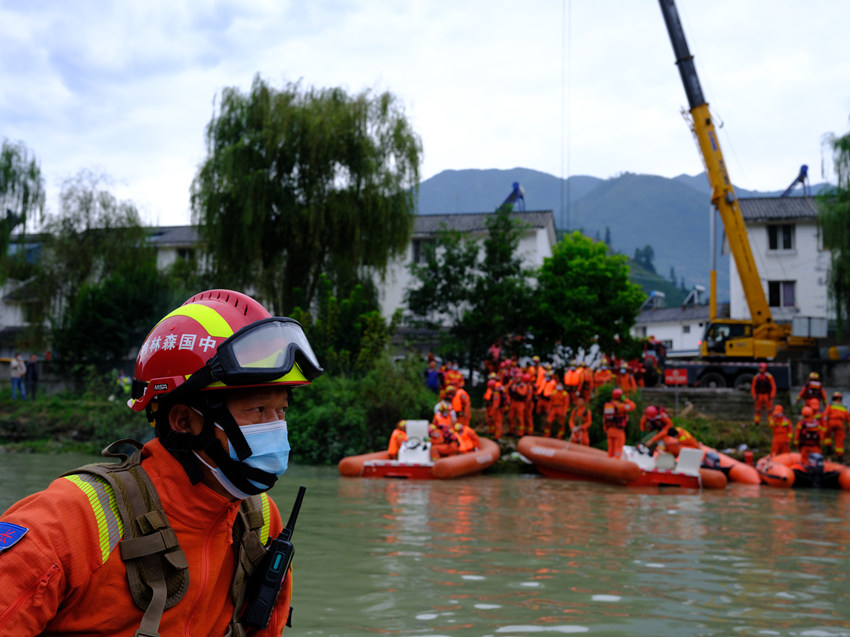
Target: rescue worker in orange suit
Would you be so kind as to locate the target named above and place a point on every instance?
(586, 389)
(602, 376)
(398, 436)
(580, 420)
(453, 376)
(573, 378)
(655, 419)
(615, 416)
(468, 440)
(460, 403)
(835, 420)
(763, 391)
(544, 389)
(813, 389)
(559, 403)
(675, 438)
(626, 381)
(528, 415)
(782, 429)
(519, 397)
(444, 442)
(220, 443)
(808, 435)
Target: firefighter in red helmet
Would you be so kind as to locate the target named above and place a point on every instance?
(214, 378)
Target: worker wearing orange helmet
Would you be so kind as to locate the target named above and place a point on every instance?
(559, 403)
(675, 438)
(580, 421)
(587, 386)
(573, 379)
(782, 430)
(444, 441)
(468, 439)
(460, 403)
(615, 414)
(520, 397)
(655, 419)
(398, 436)
(763, 391)
(836, 420)
(813, 389)
(544, 390)
(189, 509)
(626, 381)
(602, 376)
(808, 436)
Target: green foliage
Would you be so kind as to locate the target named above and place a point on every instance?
(338, 416)
(644, 256)
(300, 183)
(21, 193)
(93, 240)
(350, 335)
(834, 222)
(484, 295)
(107, 319)
(583, 297)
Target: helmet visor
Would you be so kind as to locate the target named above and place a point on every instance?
(264, 351)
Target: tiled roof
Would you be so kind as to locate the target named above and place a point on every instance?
(476, 221)
(676, 314)
(777, 208)
(162, 236)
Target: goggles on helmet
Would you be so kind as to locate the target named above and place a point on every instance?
(263, 352)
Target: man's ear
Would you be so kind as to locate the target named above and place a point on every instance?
(184, 419)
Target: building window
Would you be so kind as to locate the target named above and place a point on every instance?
(686, 329)
(422, 248)
(780, 237)
(781, 293)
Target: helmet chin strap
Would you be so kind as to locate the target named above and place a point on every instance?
(182, 445)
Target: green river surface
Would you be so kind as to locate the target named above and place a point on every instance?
(510, 555)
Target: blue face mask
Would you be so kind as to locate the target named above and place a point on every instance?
(269, 452)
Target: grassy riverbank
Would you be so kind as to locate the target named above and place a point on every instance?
(87, 424)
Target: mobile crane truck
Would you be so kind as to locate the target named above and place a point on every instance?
(731, 348)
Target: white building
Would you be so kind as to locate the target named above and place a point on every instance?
(536, 242)
(789, 254)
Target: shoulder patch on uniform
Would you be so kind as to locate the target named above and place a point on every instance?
(10, 534)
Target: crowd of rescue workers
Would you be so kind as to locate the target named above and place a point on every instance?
(517, 393)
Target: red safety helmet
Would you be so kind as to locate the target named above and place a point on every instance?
(806, 412)
(219, 339)
(526, 378)
(650, 412)
(617, 393)
(777, 409)
(762, 367)
(491, 382)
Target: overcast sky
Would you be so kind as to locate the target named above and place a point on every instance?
(570, 87)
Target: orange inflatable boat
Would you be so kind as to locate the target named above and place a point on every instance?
(568, 461)
(735, 470)
(785, 471)
(414, 459)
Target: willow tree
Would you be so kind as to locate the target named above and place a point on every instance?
(21, 194)
(834, 222)
(304, 182)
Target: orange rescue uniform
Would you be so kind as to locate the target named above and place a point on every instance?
(559, 402)
(462, 406)
(763, 391)
(397, 437)
(615, 418)
(835, 419)
(580, 419)
(809, 438)
(65, 576)
(783, 431)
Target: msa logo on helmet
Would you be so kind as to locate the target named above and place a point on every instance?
(160, 387)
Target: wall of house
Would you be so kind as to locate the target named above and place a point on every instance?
(805, 263)
(678, 337)
(533, 247)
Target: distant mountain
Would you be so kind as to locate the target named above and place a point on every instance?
(671, 215)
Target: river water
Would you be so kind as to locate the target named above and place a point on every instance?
(507, 555)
